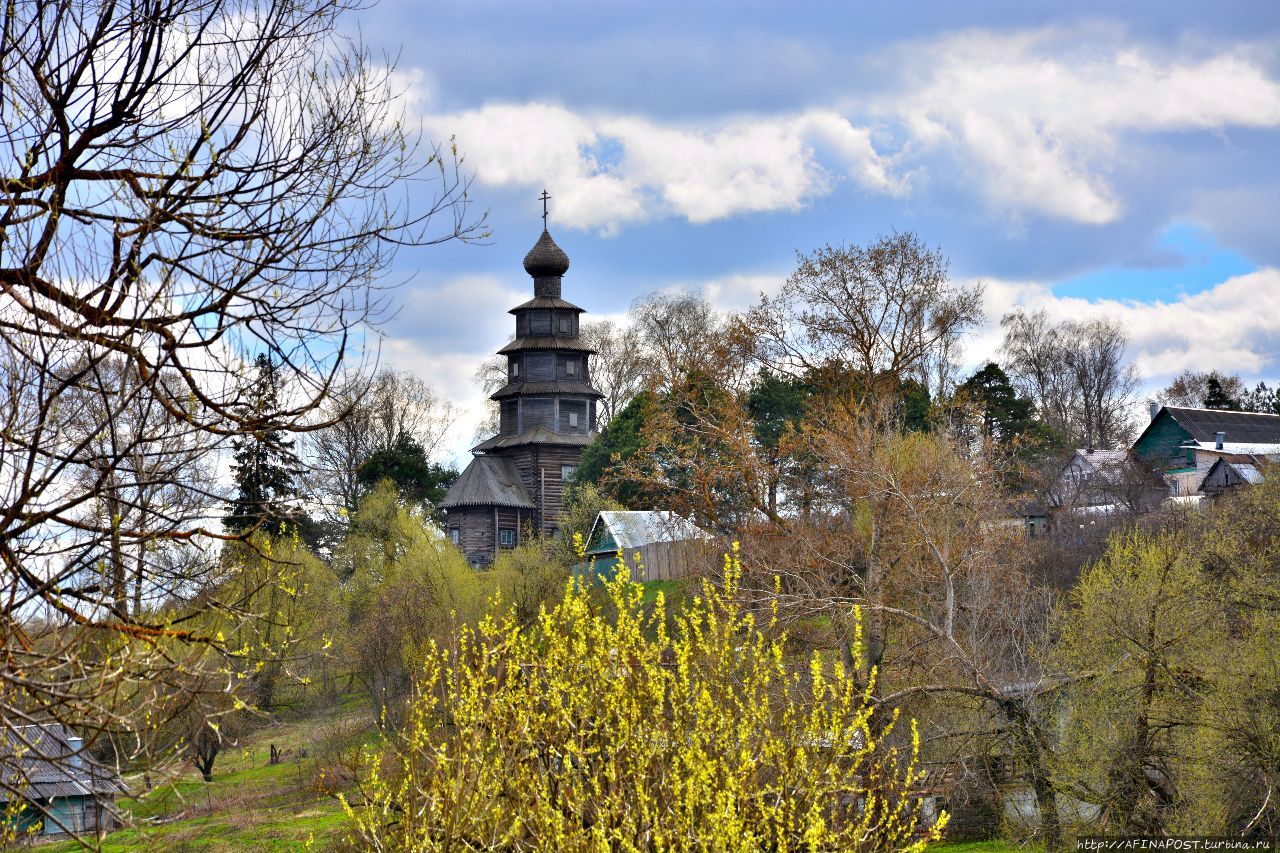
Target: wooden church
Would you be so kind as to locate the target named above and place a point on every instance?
(515, 482)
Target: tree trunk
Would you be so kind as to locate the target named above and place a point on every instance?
(1032, 744)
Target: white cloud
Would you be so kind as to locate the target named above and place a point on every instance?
(1233, 326)
(1035, 121)
(612, 170)
(1037, 118)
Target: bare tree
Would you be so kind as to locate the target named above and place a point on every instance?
(186, 184)
(682, 335)
(1190, 388)
(619, 367)
(1076, 373)
(952, 619)
(888, 308)
(368, 415)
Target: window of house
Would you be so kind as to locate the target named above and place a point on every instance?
(566, 472)
(507, 537)
(454, 535)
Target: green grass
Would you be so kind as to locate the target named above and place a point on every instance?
(997, 845)
(673, 592)
(250, 805)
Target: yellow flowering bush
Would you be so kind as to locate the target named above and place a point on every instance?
(597, 729)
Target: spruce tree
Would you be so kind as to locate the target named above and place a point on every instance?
(1216, 396)
(266, 468)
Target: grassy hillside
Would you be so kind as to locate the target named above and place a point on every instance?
(251, 804)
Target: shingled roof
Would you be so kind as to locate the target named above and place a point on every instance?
(488, 481)
(1240, 427)
(537, 435)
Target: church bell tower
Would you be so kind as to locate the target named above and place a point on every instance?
(515, 482)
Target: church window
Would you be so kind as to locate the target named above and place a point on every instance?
(566, 472)
(571, 367)
(454, 535)
(507, 537)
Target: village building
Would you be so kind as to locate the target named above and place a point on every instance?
(515, 483)
(1229, 473)
(1182, 444)
(1106, 481)
(55, 786)
(652, 544)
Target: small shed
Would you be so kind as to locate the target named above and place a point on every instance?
(654, 544)
(61, 788)
(1232, 472)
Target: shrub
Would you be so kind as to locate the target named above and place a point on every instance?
(597, 729)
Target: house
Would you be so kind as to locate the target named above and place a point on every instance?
(654, 545)
(1106, 481)
(547, 413)
(1182, 444)
(1089, 478)
(57, 786)
(1230, 472)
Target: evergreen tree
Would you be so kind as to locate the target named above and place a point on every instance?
(1217, 398)
(405, 464)
(618, 443)
(266, 468)
(1005, 414)
(1261, 399)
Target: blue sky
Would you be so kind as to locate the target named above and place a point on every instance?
(1094, 158)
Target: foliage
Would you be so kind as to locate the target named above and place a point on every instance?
(532, 574)
(1135, 635)
(405, 464)
(615, 445)
(1261, 399)
(1189, 388)
(596, 730)
(1216, 397)
(406, 588)
(1006, 414)
(391, 414)
(266, 468)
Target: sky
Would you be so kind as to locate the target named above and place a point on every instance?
(1088, 158)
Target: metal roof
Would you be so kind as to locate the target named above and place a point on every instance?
(1236, 448)
(1240, 427)
(1103, 458)
(40, 762)
(537, 435)
(636, 528)
(488, 481)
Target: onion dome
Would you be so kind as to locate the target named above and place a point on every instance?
(546, 259)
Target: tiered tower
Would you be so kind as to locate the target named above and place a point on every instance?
(515, 483)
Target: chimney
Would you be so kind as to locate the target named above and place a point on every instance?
(1155, 410)
(75, 746)
(1219, 439)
